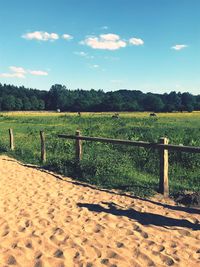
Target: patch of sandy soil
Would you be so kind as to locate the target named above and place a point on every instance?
(51, 221)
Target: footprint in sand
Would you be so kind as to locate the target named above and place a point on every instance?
(59, 237)
(58, 253)
(28, 244)
(119, 244)
(44, 222)
(166, 260)
(157, 248)
(184, 232)
(92, 252)
(4, 231)
(38, 255)
(10, 260)
(71, 256)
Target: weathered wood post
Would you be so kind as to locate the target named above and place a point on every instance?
(43, 147)
(12, 146)
(164, 184)
(78, 145)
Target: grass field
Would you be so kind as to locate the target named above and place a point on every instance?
(111, 166)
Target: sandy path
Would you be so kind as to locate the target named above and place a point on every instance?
(45, 221)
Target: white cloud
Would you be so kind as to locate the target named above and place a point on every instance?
(41, 36)
(16, 72)
(81, 53)
(95, 66)
(19, 72)
(12, 75)
(108, 41)
(136, 41)
(179, 47)
(17, 69)
(67, 36)
(110, 37)
(38, 72)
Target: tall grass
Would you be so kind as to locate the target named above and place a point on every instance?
(111, 166)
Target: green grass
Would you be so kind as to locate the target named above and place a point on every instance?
(111, 166)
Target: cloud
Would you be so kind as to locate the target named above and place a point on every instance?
(16, 72)
(67, 36)
(19, 72)
(41, 36)
(110, 37)
(108, 41)
(136, 41)
(12, 75)
(179, 47)
(95, 66)
(38, 72)
(81, 53)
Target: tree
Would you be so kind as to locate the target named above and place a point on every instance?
(41, 104)
(153, 103)
(26, 103)
(59, 97)
(173, 102)
(18, 104)
(8, 102)
(188, 101)
(34, 103)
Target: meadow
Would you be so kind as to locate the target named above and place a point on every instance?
(118, 167)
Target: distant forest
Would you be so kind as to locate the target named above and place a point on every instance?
(59, 97)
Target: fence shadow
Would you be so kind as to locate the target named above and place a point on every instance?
(143, 218)
(176, 208)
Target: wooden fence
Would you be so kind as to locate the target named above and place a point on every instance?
(42, 140)
(163, 146)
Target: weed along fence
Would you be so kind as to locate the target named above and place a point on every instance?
(162, 146)
(42, 140)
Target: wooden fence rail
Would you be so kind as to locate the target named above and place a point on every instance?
(162, 146)
(180, 148)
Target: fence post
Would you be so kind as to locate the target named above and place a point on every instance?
(43, 147)
(78, 145)
(164, 184)
(12, 146)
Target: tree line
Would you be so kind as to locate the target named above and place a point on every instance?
(59, 97)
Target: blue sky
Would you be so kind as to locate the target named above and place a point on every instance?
(149, 45)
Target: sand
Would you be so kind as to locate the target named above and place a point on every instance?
(52, 221)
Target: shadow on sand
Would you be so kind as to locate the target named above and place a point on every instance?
(142, 217)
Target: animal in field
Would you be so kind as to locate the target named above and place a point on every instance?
(153, 115)
(115, 116)
(79, 114)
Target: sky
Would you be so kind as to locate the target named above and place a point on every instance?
(147, 45)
